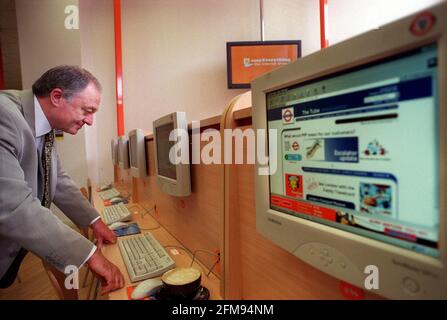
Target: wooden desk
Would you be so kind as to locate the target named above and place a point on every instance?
(181, 258)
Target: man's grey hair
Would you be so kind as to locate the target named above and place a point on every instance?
(70, 79)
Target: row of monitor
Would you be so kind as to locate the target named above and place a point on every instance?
(360, 186)
(129, 152)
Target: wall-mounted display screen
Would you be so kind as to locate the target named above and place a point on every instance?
(248, 60)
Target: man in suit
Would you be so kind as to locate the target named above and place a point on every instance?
(31, 178)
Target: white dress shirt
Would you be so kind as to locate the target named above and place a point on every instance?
(42, 128)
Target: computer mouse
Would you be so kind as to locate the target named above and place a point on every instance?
(117, 200)
(117, 225)
(147, 288)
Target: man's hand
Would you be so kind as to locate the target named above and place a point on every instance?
(102, 234)
(110, 276)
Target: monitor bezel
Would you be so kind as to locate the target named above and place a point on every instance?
(114, 150)
(181, 186)
(394, 38)
(123, 152)
(140, 170)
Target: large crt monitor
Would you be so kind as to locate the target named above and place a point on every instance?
(360, 182)
(137, 153)
(173, 177)
(123, 152)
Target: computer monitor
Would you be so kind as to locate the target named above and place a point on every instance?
(137, 153)
(114, 150)
(360, 182)
(172, 178)
(123, 152)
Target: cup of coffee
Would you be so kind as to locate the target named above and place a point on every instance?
(182, 282)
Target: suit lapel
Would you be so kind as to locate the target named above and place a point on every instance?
(27, 98)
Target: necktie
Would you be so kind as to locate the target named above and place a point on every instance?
(46, 166)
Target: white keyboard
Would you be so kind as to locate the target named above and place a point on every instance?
(116, 213)
(109, 194)
(144, 256)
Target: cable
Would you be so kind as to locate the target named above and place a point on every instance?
(125, 194)
(142, 216)
(209, 252)
(193, 256)
(150, 229)
(187, 251)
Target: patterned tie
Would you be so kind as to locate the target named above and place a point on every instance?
(46, 166)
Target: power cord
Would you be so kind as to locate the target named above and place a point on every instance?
(127, 197)
(143, 214)
(193, 256)
(217, 255)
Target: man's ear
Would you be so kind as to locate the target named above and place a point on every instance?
(56, 97)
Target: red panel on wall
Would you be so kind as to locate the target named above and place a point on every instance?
(118, 68)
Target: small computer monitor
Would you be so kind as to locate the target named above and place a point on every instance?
(173, 177)
(114, 150)
(137, 153)
(357, 148)
(123, 152)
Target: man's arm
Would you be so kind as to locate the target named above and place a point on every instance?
(70, 200)
(22, 218)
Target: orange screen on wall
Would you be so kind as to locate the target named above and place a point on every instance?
(248, 60)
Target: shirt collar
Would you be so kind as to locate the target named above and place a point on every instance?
(41, 121)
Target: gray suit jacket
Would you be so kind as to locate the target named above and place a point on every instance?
(24, 222)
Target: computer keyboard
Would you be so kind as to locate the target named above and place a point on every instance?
(144, 257)
(116, 213)
(104, 187)
(109, 194)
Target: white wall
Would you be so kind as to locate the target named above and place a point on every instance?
(174, 53)
(347, 18)
(293, 20)
(98, 56)
(174, 56)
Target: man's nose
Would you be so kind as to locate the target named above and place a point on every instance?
(89, 120)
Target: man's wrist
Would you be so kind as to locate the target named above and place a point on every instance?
(94, 220)
(91, 254)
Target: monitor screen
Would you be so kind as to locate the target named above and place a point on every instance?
(355, 150)
(133, 151)
(248, 60)
(120, 150)
(165, 167)
(114, 149)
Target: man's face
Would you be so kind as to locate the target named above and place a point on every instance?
(78, 110)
